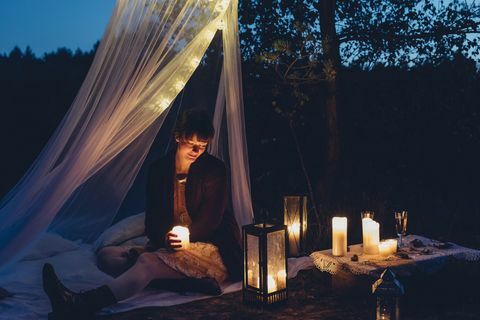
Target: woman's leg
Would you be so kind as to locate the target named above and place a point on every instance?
(147, 268)
(114, 260)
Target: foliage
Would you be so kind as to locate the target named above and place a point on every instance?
(36, 93)
(371, 32)
(295, 69)
(406, 32)
(263, 22)
(410, 130)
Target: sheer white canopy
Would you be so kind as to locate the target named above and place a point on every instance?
(147, 54)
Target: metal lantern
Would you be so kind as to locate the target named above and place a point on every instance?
(388, 291)
(265, 264)
(295, 217)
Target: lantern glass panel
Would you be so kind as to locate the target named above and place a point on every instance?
(276, 268)
(387, 308)
(253, 261)
(295, 217)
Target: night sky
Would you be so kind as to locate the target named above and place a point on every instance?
(46, 25)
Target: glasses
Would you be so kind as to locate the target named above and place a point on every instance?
(194, 146)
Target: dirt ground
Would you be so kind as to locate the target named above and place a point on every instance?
(451, 294)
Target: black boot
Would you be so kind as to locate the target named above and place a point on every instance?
(67, 304)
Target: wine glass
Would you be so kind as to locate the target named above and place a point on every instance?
(401, 218)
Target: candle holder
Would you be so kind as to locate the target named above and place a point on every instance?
(265, 264)
(295, 218)
(388, 291)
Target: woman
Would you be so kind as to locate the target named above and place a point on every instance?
(186, 187)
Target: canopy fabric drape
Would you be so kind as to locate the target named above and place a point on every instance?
(149, 51)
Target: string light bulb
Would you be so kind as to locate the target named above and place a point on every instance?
(160, 105)
(179, 85)
(221, 5)
(221, 24)
(194, 62)
(163, 104)
(209, 35)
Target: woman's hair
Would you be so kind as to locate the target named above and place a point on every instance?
(194, 121)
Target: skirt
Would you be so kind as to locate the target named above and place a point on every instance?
(202, 260)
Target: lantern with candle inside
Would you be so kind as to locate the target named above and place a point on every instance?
(265, 264)
(295, 218)
(388, 291)
(183, 234)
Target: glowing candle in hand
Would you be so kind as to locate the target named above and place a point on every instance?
(183, 234)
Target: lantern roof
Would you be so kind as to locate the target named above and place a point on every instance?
(388, 284)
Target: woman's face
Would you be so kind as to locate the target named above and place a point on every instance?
(189, 149)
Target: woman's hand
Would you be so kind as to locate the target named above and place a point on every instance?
(172, 242)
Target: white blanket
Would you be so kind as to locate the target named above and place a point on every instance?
(75, 266)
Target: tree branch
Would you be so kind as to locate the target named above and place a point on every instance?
(418, 34)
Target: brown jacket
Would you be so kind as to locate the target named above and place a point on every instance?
(207, 201)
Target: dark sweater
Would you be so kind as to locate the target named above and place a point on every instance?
(207, 201)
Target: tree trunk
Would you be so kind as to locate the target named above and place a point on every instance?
(331, 68)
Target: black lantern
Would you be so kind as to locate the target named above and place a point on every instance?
(388, 291)
(295, 218)
(265, 264)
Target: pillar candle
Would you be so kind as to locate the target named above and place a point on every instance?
(183, 234)
(250, 277)
(371, 236)
(393, 245)
(339, 236)
(253, 279)
(294, 238)
(281, 279)
(384, 248)
(272, 284)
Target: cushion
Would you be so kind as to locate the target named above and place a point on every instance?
(129, 231)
